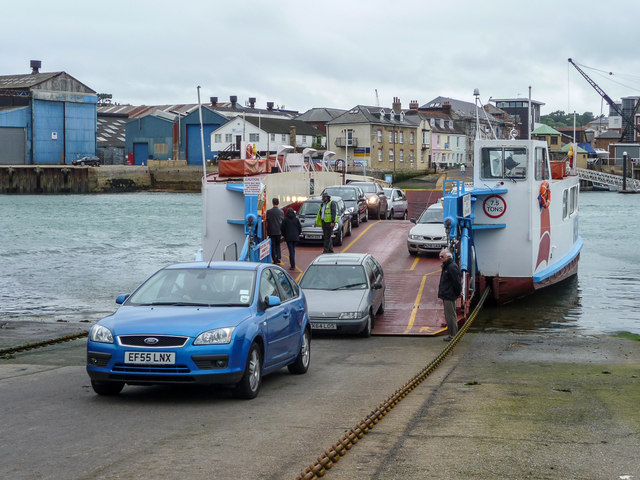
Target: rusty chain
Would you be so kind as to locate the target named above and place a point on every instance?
(333, 454)
(45, 343)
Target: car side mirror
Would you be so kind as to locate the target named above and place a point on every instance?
(121, 298)
(272, 301)
(377, 286)
(413, 220)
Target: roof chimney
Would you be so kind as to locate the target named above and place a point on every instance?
(252, 102)
(413, 105)
(292, 135)
(234, 100)
(214, 101)
(397, 106)
(446, 107)
(35, 66)
(269, 105)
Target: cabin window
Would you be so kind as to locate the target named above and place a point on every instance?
(565, 203)
(504, 163)
(541, 164)
(573, 200)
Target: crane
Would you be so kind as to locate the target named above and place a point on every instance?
(611, 103)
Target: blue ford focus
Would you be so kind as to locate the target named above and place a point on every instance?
(199, 323)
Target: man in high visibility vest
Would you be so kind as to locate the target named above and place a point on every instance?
(326, 218)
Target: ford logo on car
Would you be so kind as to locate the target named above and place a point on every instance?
(151, 340)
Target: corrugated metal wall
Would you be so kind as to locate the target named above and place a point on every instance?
(80, 130)
(48, 132)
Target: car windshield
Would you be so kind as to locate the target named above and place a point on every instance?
(334, 277)
(309, 208)
(196, 287)
(368, 187)
(432, 215)
(345, 193)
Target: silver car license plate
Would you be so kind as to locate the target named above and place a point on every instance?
(323, 326)
(314, 237)
(150, 358)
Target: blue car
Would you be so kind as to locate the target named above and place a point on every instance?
(203, 323)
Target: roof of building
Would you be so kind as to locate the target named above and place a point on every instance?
(587, 147)
(111, 130)
(282, 125)
(568, 145)
(460, 108)
(519, 99)
(373, 115)
(320, 115)
(545, 130)
(26, 80)
(610, 134)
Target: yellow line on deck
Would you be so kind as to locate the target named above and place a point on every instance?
(415, 262)
(358, 237)
(414, 311)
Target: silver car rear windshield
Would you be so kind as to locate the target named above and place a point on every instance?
(334, 277)
(196, 287)
(432, 215)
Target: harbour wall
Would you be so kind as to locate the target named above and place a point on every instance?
(53, 179)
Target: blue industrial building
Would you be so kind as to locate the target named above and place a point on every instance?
(46, 118)
(191, 144)
(150, 137)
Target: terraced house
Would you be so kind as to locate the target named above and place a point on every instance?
(381, 138)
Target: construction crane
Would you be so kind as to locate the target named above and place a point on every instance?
(611, 103)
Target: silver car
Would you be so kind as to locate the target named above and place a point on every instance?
(344, 292)
(398, 207)
(429, 234)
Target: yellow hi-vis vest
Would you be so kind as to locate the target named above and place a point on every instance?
(326, 216)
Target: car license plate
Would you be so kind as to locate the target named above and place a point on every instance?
(324, 326)
(429, 245)
(150, 358)
(314, 237)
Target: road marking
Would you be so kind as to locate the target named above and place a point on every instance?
(416, 304)
(415, 262)
(358, 237)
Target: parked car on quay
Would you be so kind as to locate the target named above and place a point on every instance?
(376, 199)
(91, 160)
(203, 323)
(398, 207)
(354, 201)
(312, 233)
(429, 234)
(344, 292)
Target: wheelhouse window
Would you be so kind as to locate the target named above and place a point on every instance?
(541, 164)
(504, 163)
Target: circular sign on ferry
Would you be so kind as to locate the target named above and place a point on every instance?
(494, 206)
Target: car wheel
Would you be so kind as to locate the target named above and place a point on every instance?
(107, 388)
(348, 230)
(404, 217)
(366, 215)
(383, 305)
(366, 331)
(390, 214)
(338, 239)
(301, 364)
(82, 163)
(413, 254)
(356, 220)
(378, 215)
(251, 380)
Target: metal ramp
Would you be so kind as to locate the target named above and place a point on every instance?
(607, 178)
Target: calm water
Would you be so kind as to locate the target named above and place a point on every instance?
(66, 257)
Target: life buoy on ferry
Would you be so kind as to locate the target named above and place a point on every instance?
(249, 151)
(545, 195)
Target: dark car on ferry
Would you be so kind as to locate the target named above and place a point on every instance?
(313, 233)
(344, 292)
(203, 323)
(376, 199)
(354, 201)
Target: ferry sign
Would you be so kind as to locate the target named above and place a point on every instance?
(494, 206)
(466, 205)
(252, 185)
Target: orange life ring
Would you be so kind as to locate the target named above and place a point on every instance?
(249, 151)
(545, 195)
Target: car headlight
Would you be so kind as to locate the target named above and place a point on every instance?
(101, 334)
(372, 200)
(414, 237)
(351, 209)
(351, 315)
(217, 336)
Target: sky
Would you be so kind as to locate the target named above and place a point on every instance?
(331, 53)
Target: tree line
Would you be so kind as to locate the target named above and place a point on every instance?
(561, 119)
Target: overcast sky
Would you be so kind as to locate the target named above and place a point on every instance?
(328, 53)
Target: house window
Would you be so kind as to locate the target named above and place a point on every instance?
(554, 140)
(425, 138)
(395, 137)
(437, 139)
(254, 137)
(380, 136)
(304, 139)
(217, 138)
(402, 155)
(273, 137)
(411, 138)
(161, 148)
(228, 137)
(411, 156)
(391, 155)
(421, 157)
(284, 137)
(390, 137)
(401, 137)
(379, 154)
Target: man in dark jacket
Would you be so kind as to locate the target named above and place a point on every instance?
(291, 230)
(449, 290)
(274, 221)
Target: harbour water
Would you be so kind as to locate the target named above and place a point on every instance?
(64, 258)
